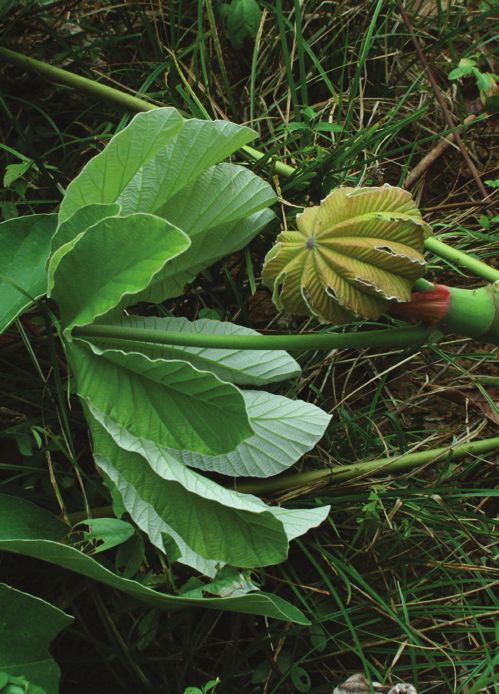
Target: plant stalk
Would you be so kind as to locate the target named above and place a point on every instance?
(344, 473)
(477, 267)
(70, 79)
(412, 336)
(102, 91)
(381, 466)
(136, 104)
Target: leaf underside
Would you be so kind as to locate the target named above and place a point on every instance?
(241, 366)
(207, 519)
(284, 431)
(167, 401)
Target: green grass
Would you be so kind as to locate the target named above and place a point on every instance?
(399, 582)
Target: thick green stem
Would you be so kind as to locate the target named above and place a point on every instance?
(382, 466)
(422, 285)
(469, 312)
(134, 103)
(278, 166)
(391, 337)
(477, 267)
(69, 79)
(473, 312)
(345, 473)
(102, 91)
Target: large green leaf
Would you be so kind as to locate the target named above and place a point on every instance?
(107, 265)
(219, 195)
(103, 178)
(31, 531)
(67, 234)
(354, 253)
(160, 533)
(24, 244)
(205, 249)
(196, 147)
(222, 207)
(221, 211)
(170, 402)
(164, 497)
(284, 431)
(155, 156)
(243, 366)
(215, 522)
(295, 522)
(84, 217)
(27, 627)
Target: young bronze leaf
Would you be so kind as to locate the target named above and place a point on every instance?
(350, 256)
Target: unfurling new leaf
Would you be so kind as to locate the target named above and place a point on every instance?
(350, 256)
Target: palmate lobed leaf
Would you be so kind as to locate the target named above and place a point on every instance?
(174, 174)
(25, 243)
(31, 531)
(167, 401)
(350, 256)
(122, 241)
